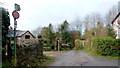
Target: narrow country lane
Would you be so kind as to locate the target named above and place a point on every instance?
(79, 58)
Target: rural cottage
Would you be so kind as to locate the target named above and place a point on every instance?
(22, 37)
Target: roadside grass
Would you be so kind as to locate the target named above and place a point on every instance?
(93, 53)
(30, 62)
(47, 60)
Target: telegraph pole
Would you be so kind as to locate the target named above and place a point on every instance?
(15, 15)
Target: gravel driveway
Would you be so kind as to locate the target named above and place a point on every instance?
(79, 58)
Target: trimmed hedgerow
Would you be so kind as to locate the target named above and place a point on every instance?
(107, 46)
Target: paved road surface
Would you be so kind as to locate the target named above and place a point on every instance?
(79, 58)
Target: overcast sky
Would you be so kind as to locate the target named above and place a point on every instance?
(35, 13)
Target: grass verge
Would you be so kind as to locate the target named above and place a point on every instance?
(47, 60)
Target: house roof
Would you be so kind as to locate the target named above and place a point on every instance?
(115, 18)
(19, 33)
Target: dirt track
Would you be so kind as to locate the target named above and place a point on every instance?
(79, 58)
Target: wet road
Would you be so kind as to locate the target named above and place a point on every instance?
(79, 58)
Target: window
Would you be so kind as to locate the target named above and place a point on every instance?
(27, 36)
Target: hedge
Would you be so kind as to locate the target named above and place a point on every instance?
(107, 46)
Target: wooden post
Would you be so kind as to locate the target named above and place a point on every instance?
(58, 45)
(40, 47)
(55, 45)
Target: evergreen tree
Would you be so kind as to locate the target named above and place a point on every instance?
(110, 31)
(51, 34)
(64, 32)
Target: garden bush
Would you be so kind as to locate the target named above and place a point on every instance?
(48, 47)
(106, 46)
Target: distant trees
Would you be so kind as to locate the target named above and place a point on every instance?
(93, 25)
(37, 31)
(100, 30)
(111, 14)
(47, 33)
(97, 26)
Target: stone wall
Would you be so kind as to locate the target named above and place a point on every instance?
(79, 43)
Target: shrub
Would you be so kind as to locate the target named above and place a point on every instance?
(45, 45)
(48, 47)
(6, 64)
(70, 44)
(65, 46)
(107, 46)
(64, 49)
(81, 39)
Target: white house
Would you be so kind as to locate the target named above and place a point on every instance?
(116, 25)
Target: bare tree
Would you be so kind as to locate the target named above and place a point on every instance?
(56, 27)
(87, 21)
(91, 24)
(95, 18)
(111, 14)
(37, 31)
(76, 24)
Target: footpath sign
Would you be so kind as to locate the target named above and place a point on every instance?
(17, 7)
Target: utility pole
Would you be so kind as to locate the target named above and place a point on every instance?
(15, 16)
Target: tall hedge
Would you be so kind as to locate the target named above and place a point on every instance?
(5, 24)
(107, 46)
